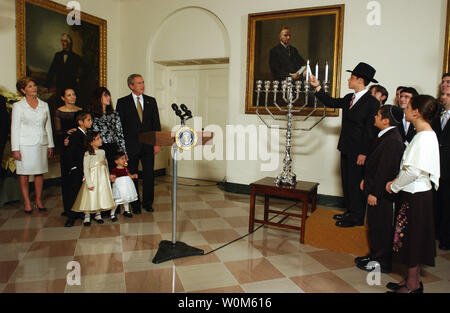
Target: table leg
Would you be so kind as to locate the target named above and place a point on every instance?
(314, 201)
(251, 221)
(304, 216)
(266, 207)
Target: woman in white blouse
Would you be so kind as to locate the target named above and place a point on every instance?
(414, 238)
(31, 140)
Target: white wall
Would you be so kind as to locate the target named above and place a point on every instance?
(406, 49)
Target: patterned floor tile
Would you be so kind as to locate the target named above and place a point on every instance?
(199, 277)
(164, 280)
(253, 270)
(7, 268)
(96, 264)
(333, 260)
(46, 286)
(281, 285)
(50, 249)
(326, 282)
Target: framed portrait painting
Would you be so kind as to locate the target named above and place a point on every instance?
(315, 36)
(446, 67)
(59, 55)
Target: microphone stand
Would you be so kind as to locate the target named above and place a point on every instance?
(169, 250)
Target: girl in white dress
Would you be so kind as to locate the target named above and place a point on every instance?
(123, 189)
(95, 194)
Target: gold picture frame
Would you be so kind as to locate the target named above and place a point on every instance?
(323, 28)
(39, 26)
(446, 67)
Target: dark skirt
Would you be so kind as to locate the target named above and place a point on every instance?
(414, 238)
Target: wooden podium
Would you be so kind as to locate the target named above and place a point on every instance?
(169, 250)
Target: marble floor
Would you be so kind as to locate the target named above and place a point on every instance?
(36, 251)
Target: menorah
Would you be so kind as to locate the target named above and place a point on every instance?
(291, 93)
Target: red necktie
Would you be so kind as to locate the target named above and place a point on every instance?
(351, 102)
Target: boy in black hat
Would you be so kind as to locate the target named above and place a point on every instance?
(382, 166)
(357, 134)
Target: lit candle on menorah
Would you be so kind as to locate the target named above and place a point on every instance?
(291, 93)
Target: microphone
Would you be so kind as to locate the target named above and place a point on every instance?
(186, 111)
(176, 109)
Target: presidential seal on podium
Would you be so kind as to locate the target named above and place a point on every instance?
(186, 138)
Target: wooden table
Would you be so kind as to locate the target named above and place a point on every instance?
(301, 191)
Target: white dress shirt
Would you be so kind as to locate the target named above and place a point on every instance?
(358, 96)
(141, 99)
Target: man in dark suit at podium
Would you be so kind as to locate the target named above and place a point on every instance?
(284, 59)
(139, 113)
(357, 135)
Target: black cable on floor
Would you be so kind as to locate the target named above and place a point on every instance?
(252, 231)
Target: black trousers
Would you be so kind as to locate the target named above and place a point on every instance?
(75, 181)
(381, 230)
(351, 175)
(65, 181)
(147, 158)
(442, 212)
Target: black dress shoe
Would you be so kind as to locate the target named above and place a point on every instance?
(87, 223)
(127, 214)
(368, 266)
(99, 221)
(443, 246)
(348, 223)
(339, 217)
(398, 287)
(363, 259)
(149, 209)
(114, 218)
(64, 213)
(28, 212)
(42, 209)
(69, 222)
(136, 211)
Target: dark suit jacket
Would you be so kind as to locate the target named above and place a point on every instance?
(411, 132)
(357, 131)
(131, 124)
(383, 164)
(75, 151)
(66, 73)
(444, 147)
(281, 63)
(4, 124)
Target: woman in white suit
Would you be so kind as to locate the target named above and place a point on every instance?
(31, 140)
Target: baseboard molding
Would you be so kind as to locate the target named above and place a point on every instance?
(326, 200)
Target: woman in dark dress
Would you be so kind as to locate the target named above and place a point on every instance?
(107, 121)
(65, 124)
(414, 238)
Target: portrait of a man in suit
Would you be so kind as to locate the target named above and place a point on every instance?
(66, 68)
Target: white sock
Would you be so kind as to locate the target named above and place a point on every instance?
(113, 212)
(98, 216)
(126, 207)
(87, 218)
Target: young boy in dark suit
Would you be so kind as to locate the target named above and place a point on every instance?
(357, 133)
(75, 153)
(382, 165)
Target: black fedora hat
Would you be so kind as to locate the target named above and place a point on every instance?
(364, 70)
